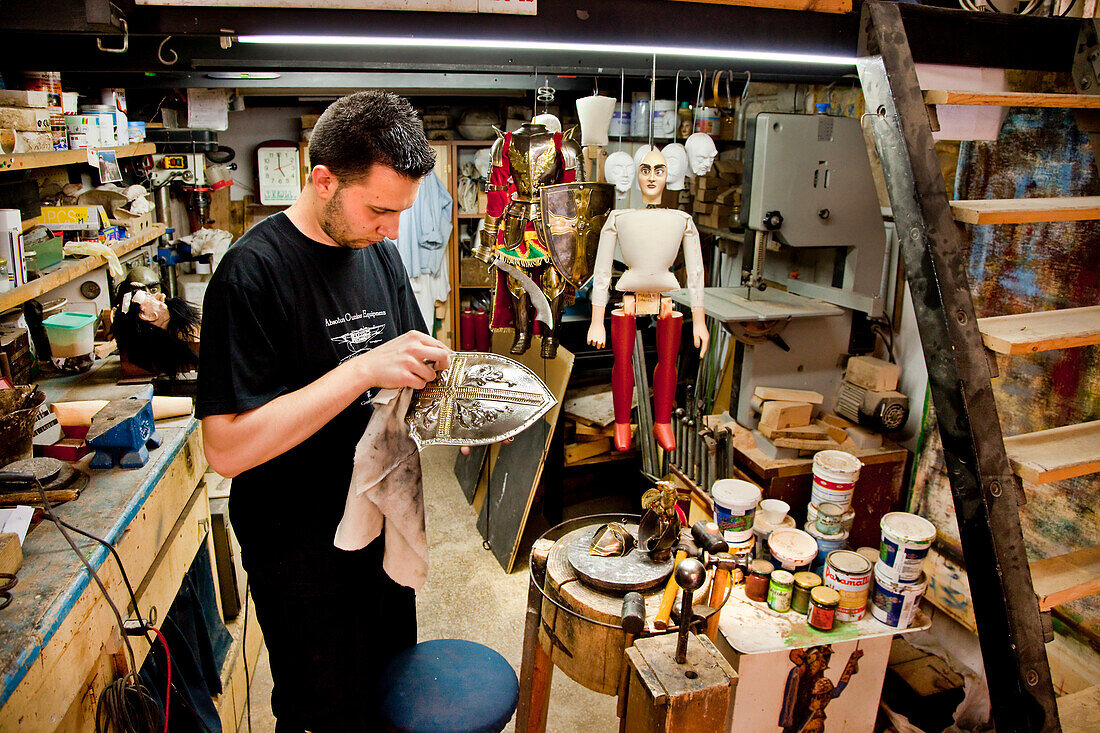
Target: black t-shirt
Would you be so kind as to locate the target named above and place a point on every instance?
(281, 311)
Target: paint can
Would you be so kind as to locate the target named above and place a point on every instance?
(850, 574)
(620, 122)
(826, 543)
(758, 580)
(664, 118)
(828, 518)
(804, 582)
(871, 553)
(779, 591)
(823, 605)
(893, 603)
(792, 549)
(846, 519)
(905, 542)
(762, 530)
(708, 120)
(734, 507)
(835, 476)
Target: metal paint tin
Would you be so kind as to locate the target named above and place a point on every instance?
(779, 591)
(758, 580)
(829, 518)
(905, 542)
(845, 521)
(823, 603)
(850, 574)
(804, 582)
(893, 603)
(826, 543)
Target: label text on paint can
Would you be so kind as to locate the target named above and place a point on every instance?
(821, 617)
(908, 561)
(852, 586)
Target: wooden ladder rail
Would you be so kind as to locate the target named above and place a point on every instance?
(1012, 631)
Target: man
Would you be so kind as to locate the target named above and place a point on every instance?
(306, 317)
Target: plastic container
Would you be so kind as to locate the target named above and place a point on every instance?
(70, 334)
(639, 118)
(620, 122)
(664, 118)
(772, 511)
(893, 603)
(905, 542)
(734, 507)
(835, 476)
(136, 130)
(708, 120)
(792, 549)
(850, 574)
(762, 530)
(845, 521)
(826, 543)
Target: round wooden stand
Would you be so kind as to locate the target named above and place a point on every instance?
(590, 654)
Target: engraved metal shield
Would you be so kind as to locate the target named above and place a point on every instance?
(481, 398)
(571, 216)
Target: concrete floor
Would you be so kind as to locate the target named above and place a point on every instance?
(468, 596)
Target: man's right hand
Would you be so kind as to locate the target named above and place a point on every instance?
(411, 360)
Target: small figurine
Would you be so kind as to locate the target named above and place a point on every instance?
(649, 240)
(659, 528)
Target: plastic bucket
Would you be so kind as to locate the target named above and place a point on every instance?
(792, 549)
(905, 542)
(894, 603)
(664, 118)
(708, 120)
(850, 573)
(826, 543)
(734, 507)
(835, 476)
(620, 122)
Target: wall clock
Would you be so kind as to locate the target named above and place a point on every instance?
(278, 173)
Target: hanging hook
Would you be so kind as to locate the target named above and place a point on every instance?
(622, 96)
(160, 53)
(125, 40)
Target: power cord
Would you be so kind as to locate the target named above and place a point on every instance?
(244, 655)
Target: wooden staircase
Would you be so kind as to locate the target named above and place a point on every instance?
(1012, 626)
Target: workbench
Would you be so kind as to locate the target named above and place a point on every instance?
(59, 642)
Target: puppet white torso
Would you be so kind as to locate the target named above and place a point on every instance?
(649, 240)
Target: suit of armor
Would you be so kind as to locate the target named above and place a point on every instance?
(522, 163)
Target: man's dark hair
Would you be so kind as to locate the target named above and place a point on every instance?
(368, 128)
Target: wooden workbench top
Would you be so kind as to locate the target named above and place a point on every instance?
(52, 579)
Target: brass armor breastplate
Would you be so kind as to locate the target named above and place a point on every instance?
(533, 158)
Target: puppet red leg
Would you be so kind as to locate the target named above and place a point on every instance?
(664, 378)
(622, 374)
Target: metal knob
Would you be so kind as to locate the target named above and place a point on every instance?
(690, 574)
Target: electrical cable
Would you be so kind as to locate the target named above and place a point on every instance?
(244, 654)
(168, 686)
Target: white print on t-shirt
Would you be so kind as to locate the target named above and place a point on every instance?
(360, 340)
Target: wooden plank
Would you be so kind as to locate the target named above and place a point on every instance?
(790, 395)
(1012, 99)
(1056, 454)
(27, 161)
(779, 414)
(1079, 712)
(1027, 333)
(818, 6)
(72, 270)
(579, 451)
(231, 702)
(1026, 211)
(1065, 578)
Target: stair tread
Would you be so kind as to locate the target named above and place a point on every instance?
(1024, 211)
(1079, 712)
(1064, 578)
(1056, 454)
(1012, 99)
(1027, 333)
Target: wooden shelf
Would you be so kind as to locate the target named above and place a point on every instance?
(72, 269)
(26, 161)
(1012, 99)
(1066, 578)
(1026, 211)
(1056, 454)
(1043, 331)
(470, 216)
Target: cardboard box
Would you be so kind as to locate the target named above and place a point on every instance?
(74, 218)
(473, 273)
(134, 225)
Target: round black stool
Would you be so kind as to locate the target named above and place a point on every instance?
(448, 686)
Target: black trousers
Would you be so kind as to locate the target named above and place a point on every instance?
(331, 620)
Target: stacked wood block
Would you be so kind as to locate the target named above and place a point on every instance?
(28, 124)
(717, 196)
(584, 441)
(787, 419)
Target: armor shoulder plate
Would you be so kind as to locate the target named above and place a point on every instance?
(571, 153)
(497, 151)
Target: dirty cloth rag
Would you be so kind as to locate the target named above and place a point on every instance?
(387, 492)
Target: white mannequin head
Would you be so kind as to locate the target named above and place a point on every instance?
(595, 115)
(652, 175)
(482, 160)
(552, 123)
(701, 152)
(677, 157)
(619, 170)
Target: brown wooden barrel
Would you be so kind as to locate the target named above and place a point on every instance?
(590, 654)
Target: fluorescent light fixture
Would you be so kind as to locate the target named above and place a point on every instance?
(242, 75)
(532, 45)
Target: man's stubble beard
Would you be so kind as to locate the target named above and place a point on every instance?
(335, 224)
